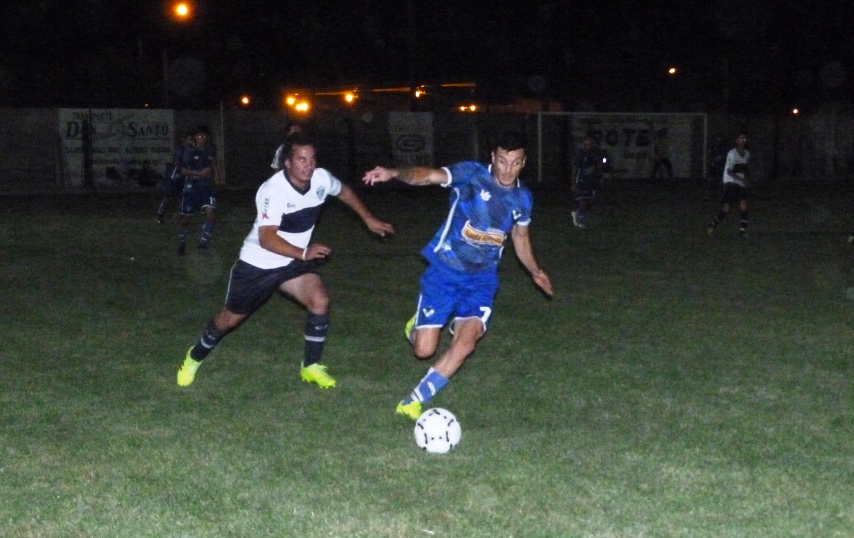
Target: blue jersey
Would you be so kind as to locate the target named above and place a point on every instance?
(482, 213)
(199, 159)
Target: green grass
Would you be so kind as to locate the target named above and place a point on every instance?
(676, 385)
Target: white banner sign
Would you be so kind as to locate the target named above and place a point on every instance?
(411, 138)
(128, 148)
(629, 140)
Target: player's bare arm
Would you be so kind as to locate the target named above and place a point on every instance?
(415, 175)
(374, 224)
(524, 251)
(270, 240)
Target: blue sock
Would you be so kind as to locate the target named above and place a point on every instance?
(207, 232)
(432, 383)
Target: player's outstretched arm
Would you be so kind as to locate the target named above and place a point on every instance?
(525, 253)
(374, 224)
(415, 175)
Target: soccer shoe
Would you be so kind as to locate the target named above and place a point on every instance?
(742, 232)
(188, 369)
(577, 223)
(411, 410)
(407, 330)
(160, 219)
(316, 373)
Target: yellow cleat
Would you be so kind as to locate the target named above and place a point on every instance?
(188, 369)
(411, 410)
(407, 330)
(316, 373)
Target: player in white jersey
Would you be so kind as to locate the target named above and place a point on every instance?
(735, 186)
(278, 255)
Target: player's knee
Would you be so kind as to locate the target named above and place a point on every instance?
(318, 303)
(424, 348)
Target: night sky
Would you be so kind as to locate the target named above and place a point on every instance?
(748, 55)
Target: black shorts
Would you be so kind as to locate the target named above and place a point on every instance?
(733, 192)
(249, 287)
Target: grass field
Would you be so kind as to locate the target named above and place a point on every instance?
(676, 385)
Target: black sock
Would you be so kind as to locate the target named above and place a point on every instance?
(209, 339)
(316, 327)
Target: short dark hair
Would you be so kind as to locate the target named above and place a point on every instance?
(299, 138)
(202, 129)
(510, 141)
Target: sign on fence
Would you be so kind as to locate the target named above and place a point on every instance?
(411, 138)
(121, 148)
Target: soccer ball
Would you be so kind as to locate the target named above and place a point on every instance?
(437, 431)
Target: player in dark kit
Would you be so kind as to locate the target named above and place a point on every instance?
(277, 255)
(173, 181)
(199, 167)
(587, 171)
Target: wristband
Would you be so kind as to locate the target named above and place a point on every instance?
(303, 253)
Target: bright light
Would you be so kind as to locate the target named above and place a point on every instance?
(419, 93)
(671, 71)
(302, 106)
(795, 111)
(182, 10)
(244, 100)
(350, 97)
(468, 108)
(291, 100)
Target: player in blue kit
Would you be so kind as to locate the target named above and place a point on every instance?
(587, 171)
(278, 255)
(199, 167)
(488, 203)
(173, 181)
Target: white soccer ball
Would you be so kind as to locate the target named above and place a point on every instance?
(437, 431)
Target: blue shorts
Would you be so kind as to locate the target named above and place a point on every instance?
(448, 294)
(197, 196)
(173, 185)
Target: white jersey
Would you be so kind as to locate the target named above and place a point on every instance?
(277, 158)
(294, 213)
(736, 162)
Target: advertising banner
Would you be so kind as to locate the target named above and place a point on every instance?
(116, 148)
(411, 138)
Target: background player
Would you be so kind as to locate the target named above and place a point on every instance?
(173, 181)
(200, 169)
(735, 188)
(587, 171)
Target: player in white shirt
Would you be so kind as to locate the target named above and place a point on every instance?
(278, 255)
(735, 188)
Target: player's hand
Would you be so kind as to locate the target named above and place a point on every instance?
(379, 227)
(377, 175)
(542, 280)
(316, 251)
